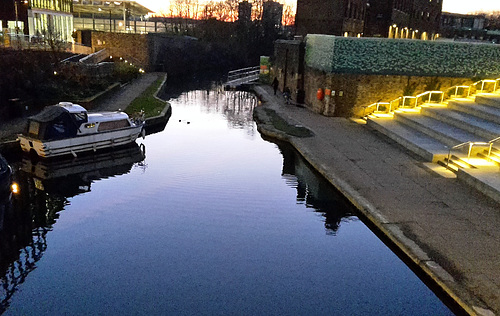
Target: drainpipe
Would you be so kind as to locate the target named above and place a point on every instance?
(286, 70)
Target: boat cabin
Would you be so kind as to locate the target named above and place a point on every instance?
(67, 120)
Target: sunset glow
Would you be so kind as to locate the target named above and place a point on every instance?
(456, 6)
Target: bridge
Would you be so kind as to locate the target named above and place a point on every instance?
(240, 77)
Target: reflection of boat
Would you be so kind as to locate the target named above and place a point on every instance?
(67, 128)
(5, 176)
(73, 176)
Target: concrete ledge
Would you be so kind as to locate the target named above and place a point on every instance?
(483, 180)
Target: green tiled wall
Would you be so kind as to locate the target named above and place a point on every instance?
(402, 57)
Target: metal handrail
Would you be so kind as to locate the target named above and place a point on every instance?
(393, 101)
(410, 98)
(430, 93)
(456, 88)
(378, 105)
(483, 82)
(244, 72)
(405, 101)
(469, 143)
(491, 142)
(368, 106)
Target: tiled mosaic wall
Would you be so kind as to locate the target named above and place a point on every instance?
(402, 57)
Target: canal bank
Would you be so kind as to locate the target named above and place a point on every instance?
(447, 230)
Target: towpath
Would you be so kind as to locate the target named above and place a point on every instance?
(447, 229)
(125, 96)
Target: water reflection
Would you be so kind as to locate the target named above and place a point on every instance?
(45, 187)
(236, 106)
(314, 191)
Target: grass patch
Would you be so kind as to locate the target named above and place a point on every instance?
(147, 102)
(282, 125)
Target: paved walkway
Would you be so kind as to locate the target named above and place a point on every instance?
(118, 101)
(452, 232)
(122, 99)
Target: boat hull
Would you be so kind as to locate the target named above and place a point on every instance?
(5, 176)
(78, 144)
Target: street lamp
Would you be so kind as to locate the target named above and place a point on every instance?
(17, 17)
(109, 18)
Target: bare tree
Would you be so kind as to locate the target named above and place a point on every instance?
(288, 15)
(257, 9)
(232, 8)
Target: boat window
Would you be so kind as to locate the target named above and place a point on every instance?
(34, 128)
(107, 126)
(80, 116)
(59, 127)
(90, 125)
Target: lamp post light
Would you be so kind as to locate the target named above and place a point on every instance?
(17, 17)
(109, 19)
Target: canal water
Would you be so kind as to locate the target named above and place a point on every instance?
(204, 218)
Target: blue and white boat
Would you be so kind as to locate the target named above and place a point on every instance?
(68, 128)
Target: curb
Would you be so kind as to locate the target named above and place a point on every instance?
(158, 123)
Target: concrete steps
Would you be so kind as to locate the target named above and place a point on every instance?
(475, 125)
(430, 132)
(489, 100)
(445, 133)
(419, 143)
(479, 110)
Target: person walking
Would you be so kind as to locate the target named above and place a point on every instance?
(275, 85)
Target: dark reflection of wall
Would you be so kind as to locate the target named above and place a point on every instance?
(314, 190)
(175, 87)
(236, 106)
(45, 187)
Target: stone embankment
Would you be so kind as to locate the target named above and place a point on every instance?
(442, 228)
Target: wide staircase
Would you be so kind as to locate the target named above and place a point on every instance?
(457, 132)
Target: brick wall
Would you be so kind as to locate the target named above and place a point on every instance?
(288, 67)
(131, 46)
(362, 71)
(351, 92)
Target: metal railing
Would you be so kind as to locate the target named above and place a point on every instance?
(471, 145)
(427, 97)
(386, 107)
(481, 86)
(96, 57)
(376, 107)
(243, 73)
(488, 85)
(491, 142)
(458, 91)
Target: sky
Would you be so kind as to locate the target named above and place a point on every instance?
(468, 6)
(456, 6)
